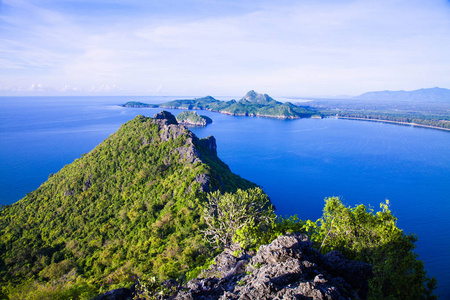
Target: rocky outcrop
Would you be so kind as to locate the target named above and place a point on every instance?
(287, 268)
(189, 153)
(167, 116)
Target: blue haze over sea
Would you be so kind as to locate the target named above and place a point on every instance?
(297, 162)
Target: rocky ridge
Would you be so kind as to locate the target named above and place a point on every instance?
(170, 129)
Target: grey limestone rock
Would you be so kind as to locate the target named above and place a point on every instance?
(287, 268)
(166, 117)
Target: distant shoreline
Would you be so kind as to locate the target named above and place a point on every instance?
(391, 122)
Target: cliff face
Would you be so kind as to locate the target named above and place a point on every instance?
(287, 268)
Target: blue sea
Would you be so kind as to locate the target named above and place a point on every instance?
(297, 162)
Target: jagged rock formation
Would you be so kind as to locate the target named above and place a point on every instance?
(287, 268)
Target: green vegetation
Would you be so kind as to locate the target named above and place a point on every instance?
(138, 206)
(192, 118)
(238, 217)
(245, 217)
(252, 104)
(130, 207)
(361, 235)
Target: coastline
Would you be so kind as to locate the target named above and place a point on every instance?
(390, 122)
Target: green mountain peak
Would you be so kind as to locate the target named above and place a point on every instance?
(134, 202)
(256, 98)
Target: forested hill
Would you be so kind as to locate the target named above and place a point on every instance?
(130, 206)
(252, 104)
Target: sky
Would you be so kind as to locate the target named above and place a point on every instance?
(309, 48)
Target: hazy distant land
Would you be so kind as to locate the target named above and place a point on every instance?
(424, 107)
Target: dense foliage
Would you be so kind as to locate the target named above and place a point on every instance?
(361, 235)
(232, 216)
(131, 207)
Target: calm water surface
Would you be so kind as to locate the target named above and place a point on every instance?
(297, 162)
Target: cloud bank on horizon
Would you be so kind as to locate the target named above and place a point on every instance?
(199, 47)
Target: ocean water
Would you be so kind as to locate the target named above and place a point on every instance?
(297, 162)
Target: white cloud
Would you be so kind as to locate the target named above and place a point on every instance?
(104, 88)
(344, 47)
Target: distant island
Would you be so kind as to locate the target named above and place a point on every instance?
(138, 104)
(252, 104)
(428, 108)
(193, 119)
